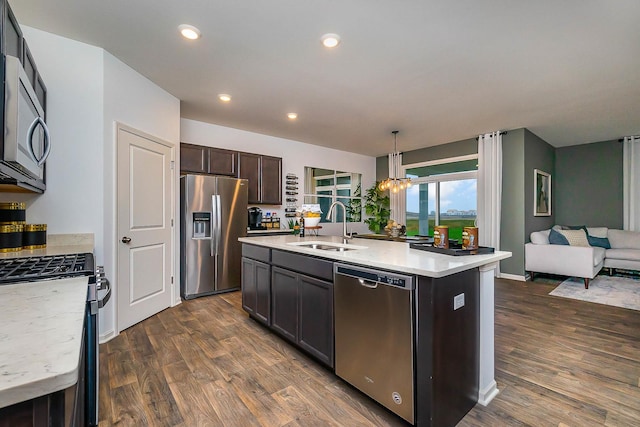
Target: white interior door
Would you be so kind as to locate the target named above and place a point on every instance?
(145, 247)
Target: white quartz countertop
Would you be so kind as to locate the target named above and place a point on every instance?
(40, 337)
(395, 256)
(58, 244)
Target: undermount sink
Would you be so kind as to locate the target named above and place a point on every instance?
(327, 246)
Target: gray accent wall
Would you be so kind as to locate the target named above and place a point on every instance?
(538, 154)
(513, 202)
(588, 184)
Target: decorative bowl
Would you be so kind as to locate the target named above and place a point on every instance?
(311, 221)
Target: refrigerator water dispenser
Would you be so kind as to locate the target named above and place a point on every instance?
(201, 225)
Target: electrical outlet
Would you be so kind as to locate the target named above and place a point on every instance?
(458, 301)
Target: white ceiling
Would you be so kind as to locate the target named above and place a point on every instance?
(437, 70)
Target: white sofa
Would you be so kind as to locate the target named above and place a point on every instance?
(580, 258)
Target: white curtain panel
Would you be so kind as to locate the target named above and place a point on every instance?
(397, 200)
(631, 184)
(489, 190)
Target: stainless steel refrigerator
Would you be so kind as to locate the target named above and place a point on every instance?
(213, 215)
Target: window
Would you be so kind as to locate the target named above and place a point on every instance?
(325, 186)
(443, 193)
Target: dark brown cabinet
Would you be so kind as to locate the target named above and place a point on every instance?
(256, 282)
(302, 302)
(296, 300)
(284, 286)
(222, 162)
(271, 180)
(263, 173)
(249, 169)
(303, 312)
(207, 160)
(194, 158)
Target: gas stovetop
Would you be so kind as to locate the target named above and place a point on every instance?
(48, 267)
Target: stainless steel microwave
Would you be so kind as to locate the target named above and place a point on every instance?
(26, 136)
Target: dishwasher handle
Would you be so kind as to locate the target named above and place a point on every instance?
(371, 278)
(368, 284)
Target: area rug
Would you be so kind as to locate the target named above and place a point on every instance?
(617, 291)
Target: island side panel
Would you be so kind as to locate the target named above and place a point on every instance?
(447, 350)
(488, 386)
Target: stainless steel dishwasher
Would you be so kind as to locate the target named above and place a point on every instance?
(374, 335)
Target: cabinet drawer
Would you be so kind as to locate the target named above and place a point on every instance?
(259, 253)
(304, 264)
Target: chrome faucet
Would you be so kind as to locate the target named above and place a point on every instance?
(345, 236)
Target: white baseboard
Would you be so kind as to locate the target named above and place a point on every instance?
(513, 277)
(485, 396)
(107, 336)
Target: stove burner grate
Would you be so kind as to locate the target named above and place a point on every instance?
(38, 268)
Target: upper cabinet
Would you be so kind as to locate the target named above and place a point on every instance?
(264, 173)
(271, 180)
(208, 160)
(249, 169)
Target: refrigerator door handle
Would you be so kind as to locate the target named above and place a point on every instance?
(215, 224)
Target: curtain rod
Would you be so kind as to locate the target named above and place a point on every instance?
(630, 136)
(504, 132)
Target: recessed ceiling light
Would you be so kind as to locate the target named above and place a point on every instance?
(224, 97)
(292, 116)
(330, 40)
(189, 32)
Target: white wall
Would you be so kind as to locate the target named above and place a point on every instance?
(135, 101)
(295, 156)
(72, 72)
(88, 90)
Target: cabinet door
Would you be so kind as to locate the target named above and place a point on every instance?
(29, 64)
(315, 330)
(271, 180)
(249, 291)
(284, 294)
(249, 169)
(11, 34)
(263, 292)
(222, 162)
(194, 158)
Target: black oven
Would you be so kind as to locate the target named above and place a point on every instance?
(51, 267)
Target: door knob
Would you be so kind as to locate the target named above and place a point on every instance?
(126, 239)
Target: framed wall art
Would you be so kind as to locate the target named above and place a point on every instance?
(541, 193)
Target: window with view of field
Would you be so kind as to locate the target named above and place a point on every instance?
(325, 186)
(443, 193)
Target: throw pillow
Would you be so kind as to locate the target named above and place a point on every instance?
(575, 237)
(576, 227)
(556, 238)
(601, 242)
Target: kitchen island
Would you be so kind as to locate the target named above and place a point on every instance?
(296, 259)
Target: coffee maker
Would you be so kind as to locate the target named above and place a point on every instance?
(255, 219)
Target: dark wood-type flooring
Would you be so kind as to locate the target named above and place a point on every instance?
(559, 362)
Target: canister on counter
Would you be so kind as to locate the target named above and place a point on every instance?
(441, 236)
(470, 238)
(12, 213)
(11, 237)
(34, 236)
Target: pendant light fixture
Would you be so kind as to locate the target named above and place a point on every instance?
(393, 183)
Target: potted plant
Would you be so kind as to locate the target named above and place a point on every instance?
(377, 207)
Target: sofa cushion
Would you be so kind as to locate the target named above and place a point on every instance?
(557, 238)
(626, 254)
(601, 242)
(623, 239)
(540, 237)
(597, 231)
(572, 237)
